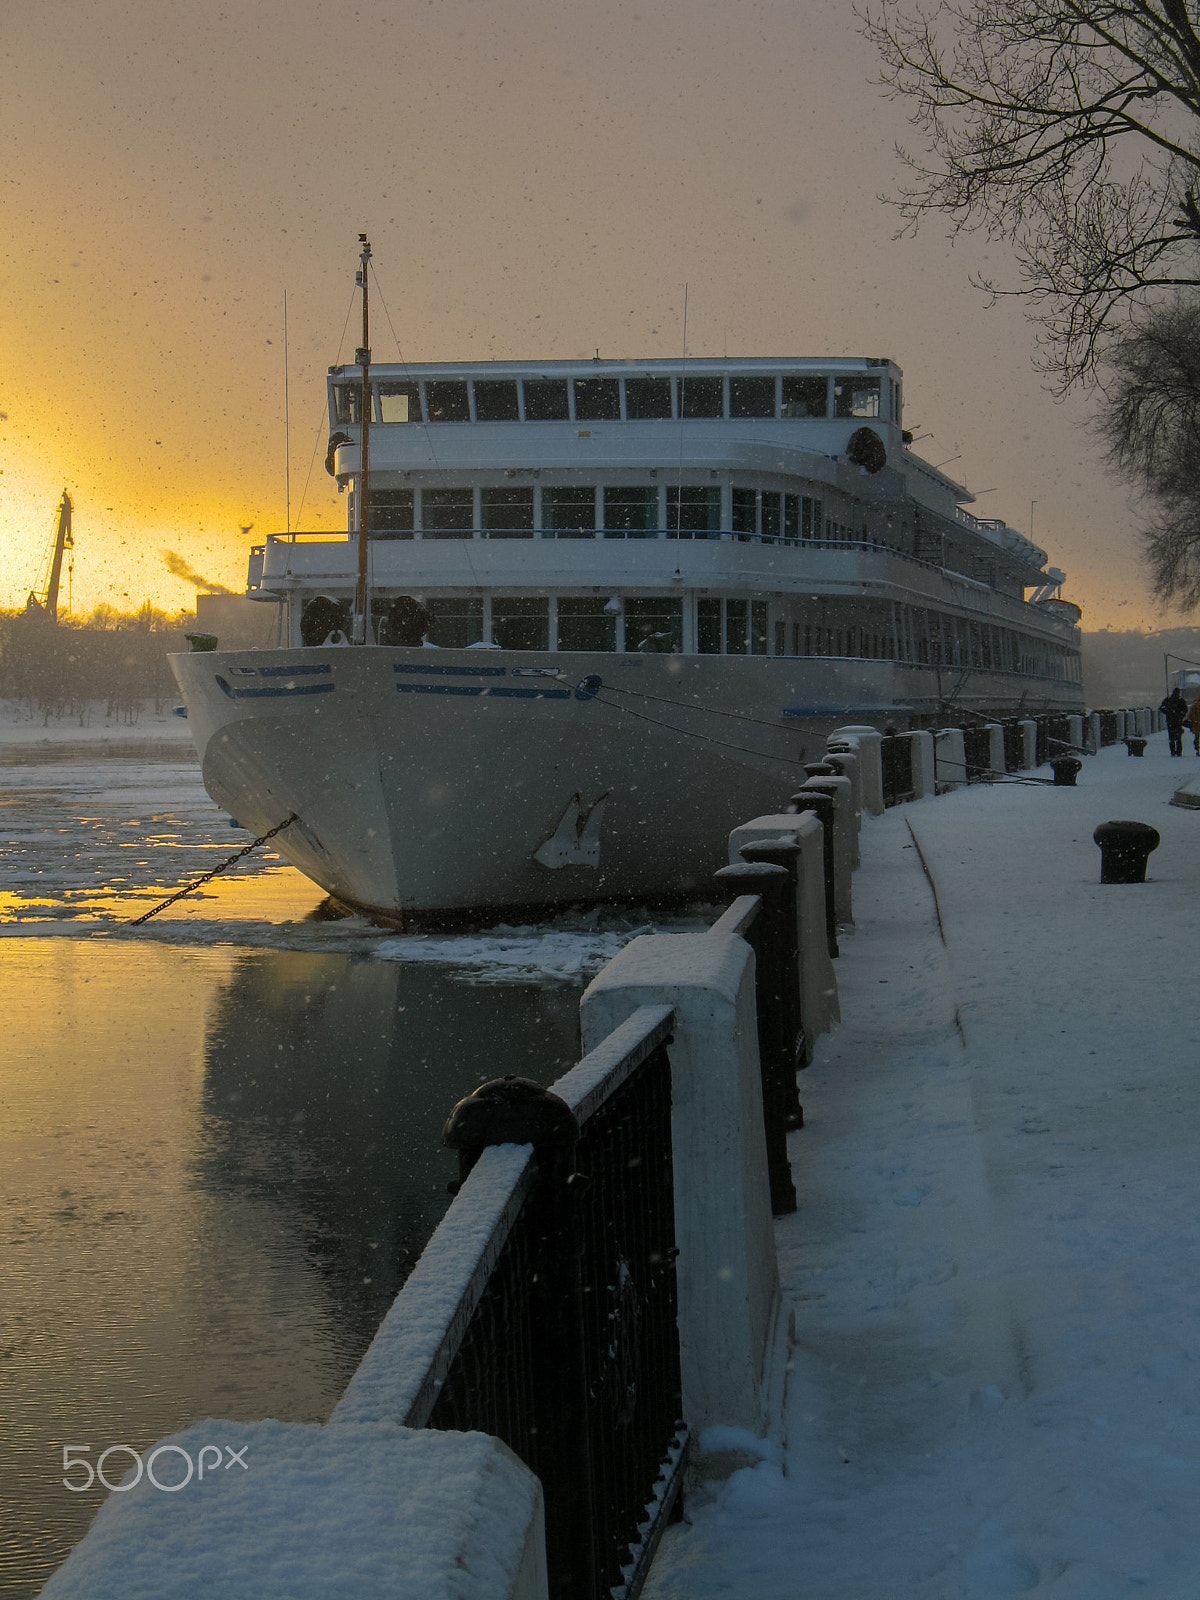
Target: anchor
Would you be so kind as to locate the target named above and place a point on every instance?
(575, 842)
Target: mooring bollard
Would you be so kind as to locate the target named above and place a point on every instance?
(1065, 769)
(767, 937)
(1135, 747)
(513, 1110)
(1124, 850)
(823, 805)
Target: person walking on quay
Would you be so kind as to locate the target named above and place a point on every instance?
(1175, 709)
(1194, 724)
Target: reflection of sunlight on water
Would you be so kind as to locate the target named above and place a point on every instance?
(218, 1166)
(278, 894)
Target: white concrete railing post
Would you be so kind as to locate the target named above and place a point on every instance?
(1092, 724)
(996, 761)
(727, 1272)
(818, 985)
(1028, 744)
(869, 744)
(1075, 731)
(950, 758)
(1121, 733)
(924, 768)
(361, 1509)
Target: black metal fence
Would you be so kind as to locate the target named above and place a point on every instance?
(564, 1339)
(895, 755)
(977, 752)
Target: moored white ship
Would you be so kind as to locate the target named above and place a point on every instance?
(652, 585)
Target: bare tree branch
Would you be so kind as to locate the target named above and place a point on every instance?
(1069, 128)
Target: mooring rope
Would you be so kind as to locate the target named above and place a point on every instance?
(208, 876)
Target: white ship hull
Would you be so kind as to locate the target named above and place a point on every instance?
(454, 780)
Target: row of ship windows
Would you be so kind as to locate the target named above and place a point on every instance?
(582, 512)
(619, 399)
(914, 635)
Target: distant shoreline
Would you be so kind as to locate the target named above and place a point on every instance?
(91, 728)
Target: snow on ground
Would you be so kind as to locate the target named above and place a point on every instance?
(994, 1384)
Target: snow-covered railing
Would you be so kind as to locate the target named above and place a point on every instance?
(543, 1310)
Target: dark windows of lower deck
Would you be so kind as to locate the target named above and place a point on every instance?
(654, 625)
(584, 623)
(457, 622)
(521, 623)
(732, 627)
(630, 513)
(506, 513)
(570, 513)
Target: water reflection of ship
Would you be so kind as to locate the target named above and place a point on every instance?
(327, 1082)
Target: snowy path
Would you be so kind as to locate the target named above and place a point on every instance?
(993, 1389)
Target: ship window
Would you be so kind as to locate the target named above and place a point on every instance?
(701, 397)
(737, 627)
(347, 402)
(584, 624)
(570, 513)
(745, 510)
(701, 508)
(806, 397)
(654, 625)
(781, 638)
(521, 623)
(457, 622)
(496, 400)
(399, 402)
(856, 397)
(771, 523)
(708, 627)
(597, 400)
(447, 513)
(630, 513)
(546, 400)
(647, 397)
(752, 397)
(446, 400)
(812, 516)
(758, 627)
(791, 516)
(506, 513)
(391, 514)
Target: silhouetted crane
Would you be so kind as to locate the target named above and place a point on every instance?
(44, 602)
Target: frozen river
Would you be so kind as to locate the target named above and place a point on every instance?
(220, 1132)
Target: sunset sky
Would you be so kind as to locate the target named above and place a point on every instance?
(537, 179)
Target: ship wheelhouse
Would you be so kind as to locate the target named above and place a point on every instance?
(765, 508)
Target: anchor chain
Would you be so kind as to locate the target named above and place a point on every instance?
(245, 851)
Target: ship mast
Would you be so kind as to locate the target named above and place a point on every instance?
(362, 622)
